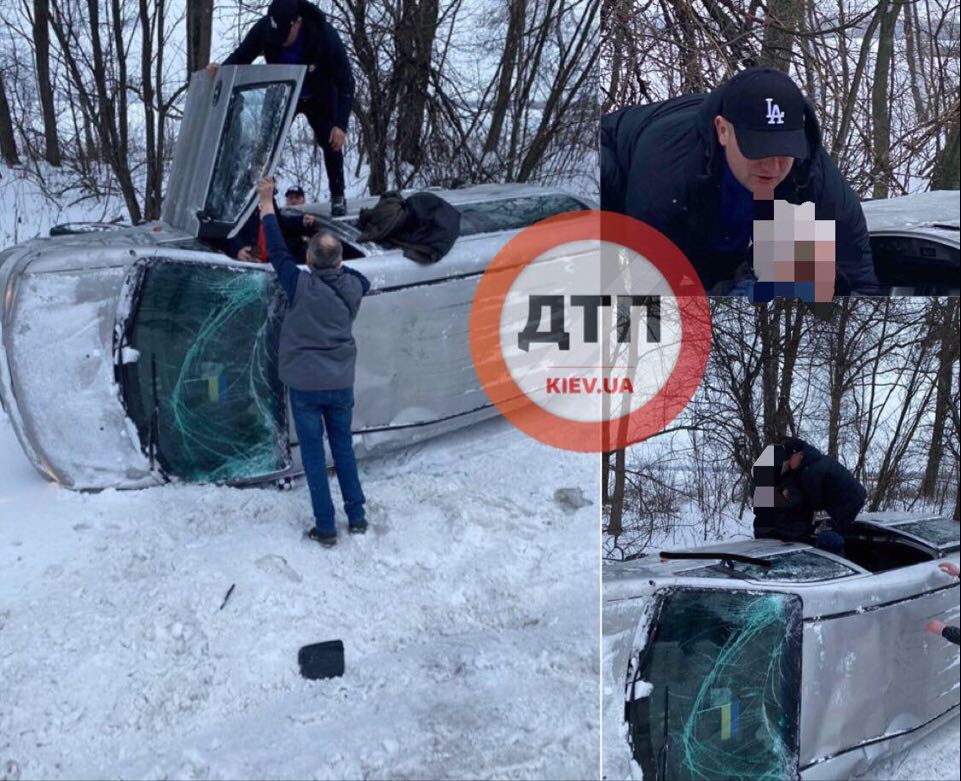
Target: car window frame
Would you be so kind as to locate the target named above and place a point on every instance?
(200, 139)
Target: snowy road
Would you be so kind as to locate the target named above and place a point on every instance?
(469, 615)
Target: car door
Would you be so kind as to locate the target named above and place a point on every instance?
(232, 132)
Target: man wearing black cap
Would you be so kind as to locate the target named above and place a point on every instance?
(296, 32)
(294, 196)
(693, 166)
(827, 486)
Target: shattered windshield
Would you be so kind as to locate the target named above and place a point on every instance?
(255, 118)
(722, 673)
(201, 379)
(937, 531)
(795, 567)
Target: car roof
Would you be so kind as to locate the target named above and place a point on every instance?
(651, 565)
(935, 214)
(459, 196)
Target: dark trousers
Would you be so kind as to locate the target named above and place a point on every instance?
(314, 411)
(321, 121)
(832, 540)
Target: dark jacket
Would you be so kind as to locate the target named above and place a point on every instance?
(424, 225)
(329, 79)
(317, 349)
(291, 226)
(829, 486)
(662, 164)
(790, 519)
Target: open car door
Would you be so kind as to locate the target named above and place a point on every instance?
(233, 129)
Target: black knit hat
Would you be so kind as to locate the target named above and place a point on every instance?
(793, 445)
(282, 14)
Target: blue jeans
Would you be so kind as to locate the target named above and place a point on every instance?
(313, 411)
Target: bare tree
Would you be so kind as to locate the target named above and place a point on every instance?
(883, 76)
(8, 141)
(199, 30)
(41, 37)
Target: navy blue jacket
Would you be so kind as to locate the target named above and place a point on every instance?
(829, 486)
(662, 164)
(329, 79)
(317, 348)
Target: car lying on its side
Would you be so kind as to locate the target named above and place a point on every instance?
(915, 242)
(140, 354)
(769, 660)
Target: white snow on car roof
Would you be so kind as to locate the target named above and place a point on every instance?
(478, 192)
(941, 207)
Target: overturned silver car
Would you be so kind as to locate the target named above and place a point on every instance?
(916, 243)
(770, 660)
(138, 355)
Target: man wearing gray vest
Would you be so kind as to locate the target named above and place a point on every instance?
(317, 353)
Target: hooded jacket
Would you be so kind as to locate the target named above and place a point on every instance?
(829, 486)
(329, 79)
(662, 164)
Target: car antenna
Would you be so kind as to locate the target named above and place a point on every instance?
(726, 558)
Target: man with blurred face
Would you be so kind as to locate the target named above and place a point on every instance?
(700, 169)
(296, 32)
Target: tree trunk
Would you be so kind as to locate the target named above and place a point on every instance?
(8, 141)
(199, 26)
(41, 37)
(947, 168)
(838, 369)
(515, 30)
(782, 19)
(947, 328)
(414, 45)
(769, 333)
(615, 524)
(880, 98)
(151, 206)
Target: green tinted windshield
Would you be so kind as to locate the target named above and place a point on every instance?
(204, 391)
(724, 669)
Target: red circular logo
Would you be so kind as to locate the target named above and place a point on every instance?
(625, 341)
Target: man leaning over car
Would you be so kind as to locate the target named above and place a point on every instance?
(317, 354)
(950, 633)
(692, 167)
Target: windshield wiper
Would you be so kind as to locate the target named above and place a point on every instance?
(666, 746)
(726, 558)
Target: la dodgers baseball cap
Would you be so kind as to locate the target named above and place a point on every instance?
(767, 111)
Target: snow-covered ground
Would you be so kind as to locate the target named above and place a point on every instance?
(469, 615)
(936, 757)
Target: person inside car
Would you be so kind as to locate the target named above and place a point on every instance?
(295, 196)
